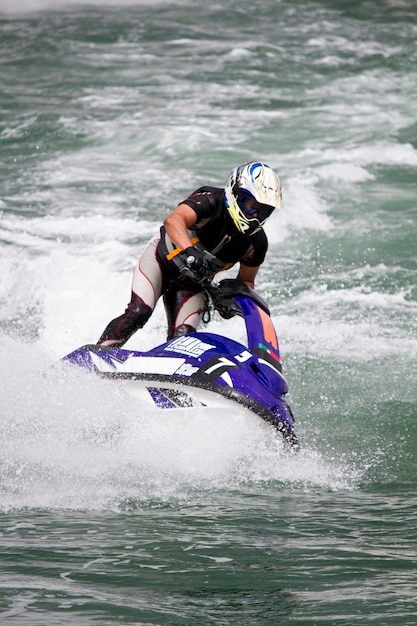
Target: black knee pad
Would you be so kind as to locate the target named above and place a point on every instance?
(184, 329)
(119, 330)
(139, 313)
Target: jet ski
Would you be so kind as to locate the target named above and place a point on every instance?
(204, 369)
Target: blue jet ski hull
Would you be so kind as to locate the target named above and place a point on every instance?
(202, 368)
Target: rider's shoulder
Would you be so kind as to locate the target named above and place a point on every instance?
(205, 197)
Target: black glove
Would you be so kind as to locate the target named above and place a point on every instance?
(225, 306)
(197, 262)
(225, 311)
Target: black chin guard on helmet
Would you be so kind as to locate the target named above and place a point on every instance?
(250, 205)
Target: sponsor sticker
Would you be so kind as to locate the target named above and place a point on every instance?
(186, 370)
(189, 346)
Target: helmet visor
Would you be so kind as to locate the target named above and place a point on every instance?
(251, 207)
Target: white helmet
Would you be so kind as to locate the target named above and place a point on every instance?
(252, 192)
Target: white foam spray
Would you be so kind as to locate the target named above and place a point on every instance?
(71, 440)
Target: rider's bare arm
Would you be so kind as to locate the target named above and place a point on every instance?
(247, 274)
(176, 224)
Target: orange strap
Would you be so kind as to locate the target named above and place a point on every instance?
(178, 250)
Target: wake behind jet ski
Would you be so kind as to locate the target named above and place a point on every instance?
(203, 369)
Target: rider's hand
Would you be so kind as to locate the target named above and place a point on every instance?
(197, 261)
(224, 306)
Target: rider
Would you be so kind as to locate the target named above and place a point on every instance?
(210, 231)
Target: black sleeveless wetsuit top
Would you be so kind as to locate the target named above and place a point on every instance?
(217, 233)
